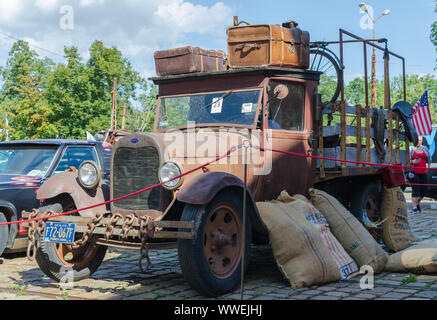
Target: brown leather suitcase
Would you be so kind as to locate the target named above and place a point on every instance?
(188, 59)
(268, 45)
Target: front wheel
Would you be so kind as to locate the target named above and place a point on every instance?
(57, 260)
(211, 262)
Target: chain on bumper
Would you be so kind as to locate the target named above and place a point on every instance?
(108, 226)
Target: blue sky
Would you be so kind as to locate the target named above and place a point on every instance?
(139, 27)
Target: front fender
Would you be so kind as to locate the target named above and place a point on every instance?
(204, 187)
(68, 183)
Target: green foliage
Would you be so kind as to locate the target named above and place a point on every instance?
(44, 100)
(409, 279)
(64, 100)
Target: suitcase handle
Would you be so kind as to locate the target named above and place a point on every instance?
(249, 45)
(236, 23)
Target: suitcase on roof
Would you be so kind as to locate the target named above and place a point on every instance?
(187, 60)
(268, 45)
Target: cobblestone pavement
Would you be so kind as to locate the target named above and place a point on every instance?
(118, 278)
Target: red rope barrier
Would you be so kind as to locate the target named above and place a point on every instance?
(232, 149)
(339, 160)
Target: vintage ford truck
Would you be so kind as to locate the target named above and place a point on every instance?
(231, 120)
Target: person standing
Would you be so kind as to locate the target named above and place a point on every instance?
(420, 159)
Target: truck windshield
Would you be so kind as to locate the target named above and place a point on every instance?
(235, 108)
(26, 161)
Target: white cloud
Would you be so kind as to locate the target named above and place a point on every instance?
(136, 27)
(10, 9)
(85, 3)
(46, 4)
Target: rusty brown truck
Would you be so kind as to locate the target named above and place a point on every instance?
(201, 116)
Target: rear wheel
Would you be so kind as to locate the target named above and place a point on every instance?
(368, 198)
(211, 263)
(56, 259)
(4, 233)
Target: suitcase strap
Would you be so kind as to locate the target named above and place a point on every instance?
(249, 45)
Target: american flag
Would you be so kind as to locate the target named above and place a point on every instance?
(422, 117)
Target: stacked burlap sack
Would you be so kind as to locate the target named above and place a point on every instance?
(410, 255)
(319, 241)
(396, 234)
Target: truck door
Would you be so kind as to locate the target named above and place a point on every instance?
(290, 122)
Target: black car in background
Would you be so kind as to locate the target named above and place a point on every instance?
(25, 165)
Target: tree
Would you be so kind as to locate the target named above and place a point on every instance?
(141, 119)
(21, 61)
(81, 93)
(31, 114)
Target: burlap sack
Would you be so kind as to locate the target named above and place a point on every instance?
(396, 231)
(305, 250)
(354, 237)
(420, 258)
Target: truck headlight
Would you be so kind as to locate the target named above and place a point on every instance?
(89, 174)
(167, 171)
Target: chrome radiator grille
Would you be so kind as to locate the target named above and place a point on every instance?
(135, 169)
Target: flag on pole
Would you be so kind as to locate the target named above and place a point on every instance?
(422, 117)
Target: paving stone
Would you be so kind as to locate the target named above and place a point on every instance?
(410, 291)
(426, 294)
(365, 296)
(313, 292)
(394, 295)
(301, 297)
(325, 298)
(118, 278)
(350, 289)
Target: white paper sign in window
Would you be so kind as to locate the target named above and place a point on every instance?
(217, 104)
(247, 107)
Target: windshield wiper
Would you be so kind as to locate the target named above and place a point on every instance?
(221, 98)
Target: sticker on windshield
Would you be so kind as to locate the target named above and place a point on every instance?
(247, 107)
(217, 104)
(35, 173)
(163, 124)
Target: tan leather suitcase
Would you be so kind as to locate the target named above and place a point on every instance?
(268, 45)
(188, 59)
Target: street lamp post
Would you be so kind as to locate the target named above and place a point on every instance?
(373, 83)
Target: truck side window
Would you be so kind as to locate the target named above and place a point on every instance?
(74, 156)
(288, 113)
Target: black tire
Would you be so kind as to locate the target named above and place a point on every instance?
(192, 257)
(368, 198)
(4, 233)
(332, 63)
(49, 260)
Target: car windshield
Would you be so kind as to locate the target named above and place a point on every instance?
(235, 108)
(31, 161)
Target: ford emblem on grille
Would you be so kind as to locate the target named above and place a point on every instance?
(134, 140)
